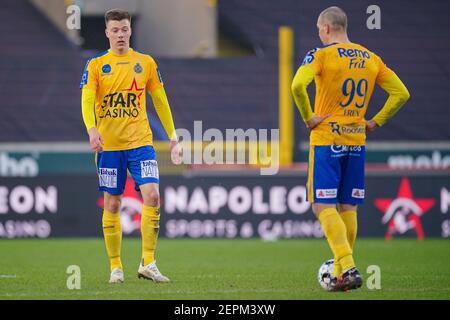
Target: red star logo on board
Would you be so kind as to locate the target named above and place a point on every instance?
(320, 194)
(134, 87)
(404, 212)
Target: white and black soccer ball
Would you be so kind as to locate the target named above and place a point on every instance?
(325, 274)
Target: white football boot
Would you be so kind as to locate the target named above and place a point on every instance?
(116, 276)
(151, 272)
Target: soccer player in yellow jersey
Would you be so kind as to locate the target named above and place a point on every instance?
(345, 74)
(114, 86)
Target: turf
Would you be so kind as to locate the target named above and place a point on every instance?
(221, 269)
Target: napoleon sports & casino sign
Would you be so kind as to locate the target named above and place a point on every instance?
(268, 207)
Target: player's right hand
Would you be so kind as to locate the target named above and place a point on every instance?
(175, 152)
(315, 120)
(96, 140)
(371, 126)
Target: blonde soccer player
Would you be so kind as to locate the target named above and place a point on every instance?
(114, 86)
(345, 75)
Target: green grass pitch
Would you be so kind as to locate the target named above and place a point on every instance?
(221, 269)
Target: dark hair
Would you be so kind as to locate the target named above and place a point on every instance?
(117, 15)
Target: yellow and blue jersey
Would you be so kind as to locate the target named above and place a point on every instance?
(345, 76)
(120, 83)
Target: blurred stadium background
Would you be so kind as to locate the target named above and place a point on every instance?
(229, 64)
(225, 63)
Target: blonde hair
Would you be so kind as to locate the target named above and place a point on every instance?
(336, 17)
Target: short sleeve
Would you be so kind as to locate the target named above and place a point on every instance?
(154, 80)
(313, 60)
(89, 79)
(384, 71)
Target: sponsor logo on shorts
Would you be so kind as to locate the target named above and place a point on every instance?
(107, 177)
(149, 169)
(326, 193)
(338, 149)
(342, 150)
(358, 193)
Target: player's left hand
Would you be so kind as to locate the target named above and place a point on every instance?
(315, 120)
(371, 126)
(175, 152)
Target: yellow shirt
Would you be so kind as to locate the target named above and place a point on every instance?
(345, 76)
(120, 83)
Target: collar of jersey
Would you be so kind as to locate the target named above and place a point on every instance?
(328, 45)
(130, 50)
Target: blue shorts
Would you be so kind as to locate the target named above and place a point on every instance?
(336, 174)
(112, 168)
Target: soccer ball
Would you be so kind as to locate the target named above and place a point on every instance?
(325, 274)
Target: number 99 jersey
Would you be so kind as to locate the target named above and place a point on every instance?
(345, 75)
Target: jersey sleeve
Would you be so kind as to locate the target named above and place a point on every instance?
(154, 80)
(313, 60)
(311, 66)
(384, 72)
(88, 107)
(89, 79)
(398, 95)
(162, 108)
(302, 79)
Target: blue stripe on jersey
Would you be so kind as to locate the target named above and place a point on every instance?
(327, 45)
(84, 76)
(310, 55)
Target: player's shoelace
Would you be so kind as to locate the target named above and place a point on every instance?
(155, 270)
(117, 272)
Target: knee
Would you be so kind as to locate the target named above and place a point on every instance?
(113, 204)
(316, 209)
(347, 207)
(151, 198)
